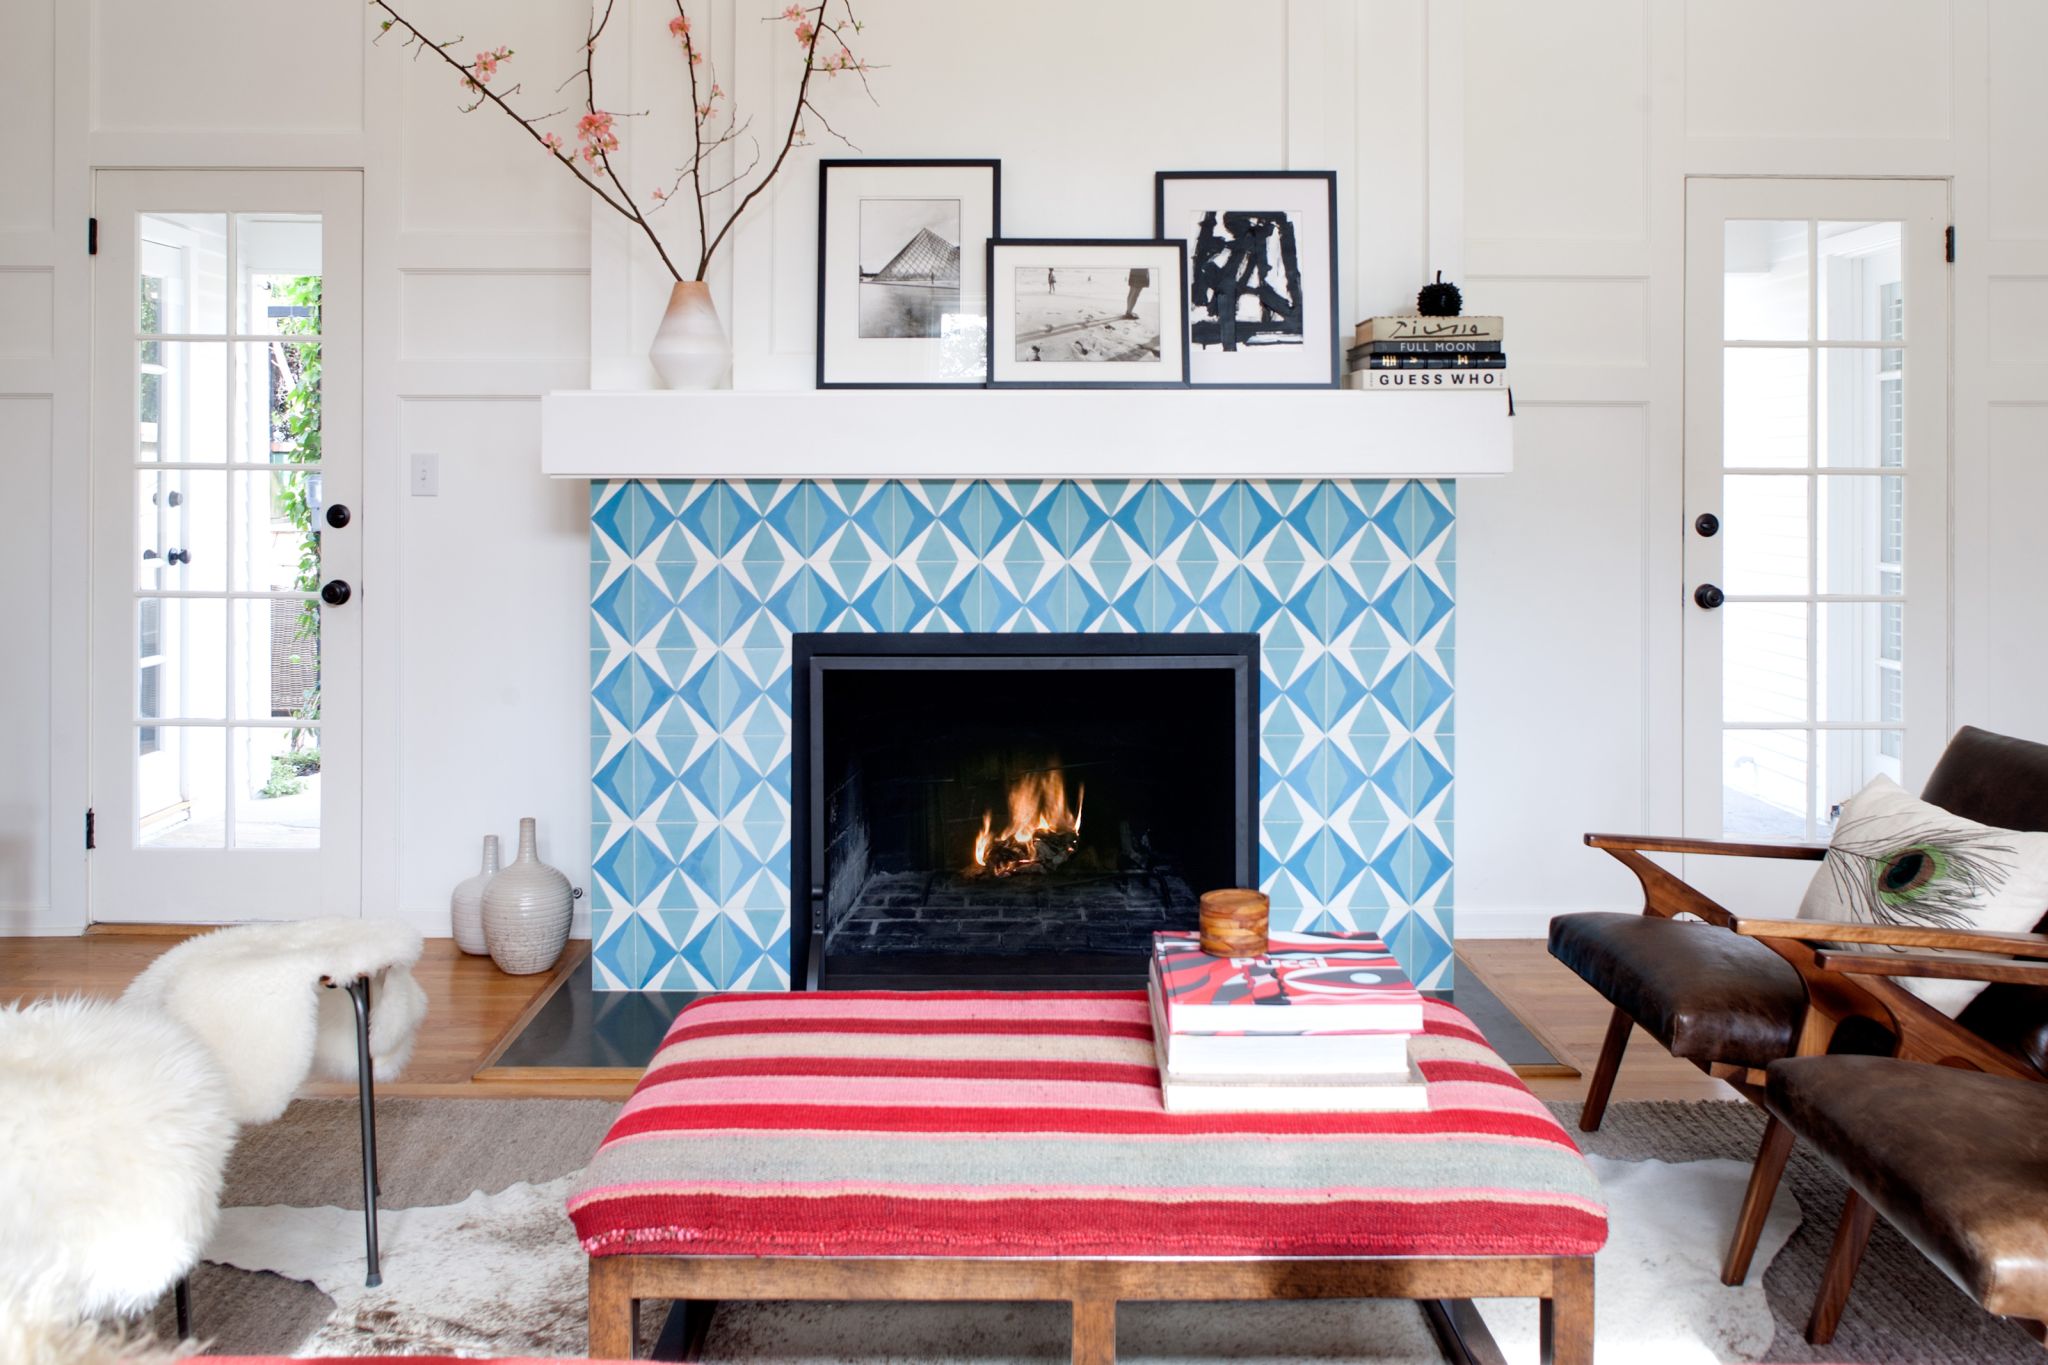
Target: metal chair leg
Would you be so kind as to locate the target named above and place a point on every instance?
(181, 1306)
(359, 993)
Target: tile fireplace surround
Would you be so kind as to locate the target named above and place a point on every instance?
(697, 586)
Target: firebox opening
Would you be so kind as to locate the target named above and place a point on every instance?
(1006, 814)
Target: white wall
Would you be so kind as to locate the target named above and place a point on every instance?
(1537, 153)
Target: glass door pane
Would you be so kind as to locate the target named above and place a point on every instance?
(1812, 665)
(227, 460)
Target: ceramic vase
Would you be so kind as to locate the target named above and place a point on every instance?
(690, 349)
(466, 904)
(526, 911)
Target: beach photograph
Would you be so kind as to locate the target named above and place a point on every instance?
(1087, 313)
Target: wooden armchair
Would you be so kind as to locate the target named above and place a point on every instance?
(1733, 1004)
(1969, 1195)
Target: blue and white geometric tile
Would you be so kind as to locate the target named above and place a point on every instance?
(697, 587)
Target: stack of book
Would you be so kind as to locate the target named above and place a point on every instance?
(1320, 1023)
(1426, 354)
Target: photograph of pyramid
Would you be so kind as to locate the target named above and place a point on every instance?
(909, 266)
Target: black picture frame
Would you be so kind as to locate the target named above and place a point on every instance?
(1167, 314)
(1335, 378)
(826, 167)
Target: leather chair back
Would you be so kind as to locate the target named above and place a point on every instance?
(2000, 781)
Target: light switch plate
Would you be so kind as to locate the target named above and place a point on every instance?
(426, 475)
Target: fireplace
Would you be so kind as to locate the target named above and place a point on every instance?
(1013, 810)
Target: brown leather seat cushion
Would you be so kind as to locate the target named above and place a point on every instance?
(1705, 993)
(1956, 1160)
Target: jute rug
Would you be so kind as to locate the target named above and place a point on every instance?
(482, 1273)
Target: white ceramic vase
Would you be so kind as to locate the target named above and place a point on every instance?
(690, 349)
(466, 904)
(526, 911)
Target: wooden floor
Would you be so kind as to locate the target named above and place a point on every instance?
(1571, 1020)
(476, 1010)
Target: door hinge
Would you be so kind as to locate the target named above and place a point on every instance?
(91, 842)
(92, 236)
(1948, 244)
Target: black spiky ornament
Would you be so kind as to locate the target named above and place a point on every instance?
(1439, 300)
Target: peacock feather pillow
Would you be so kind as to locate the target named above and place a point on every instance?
(1894, 859)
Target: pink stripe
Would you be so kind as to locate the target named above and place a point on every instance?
(796, 1004)
(891, 1091)
(1485, 1097)
(1355, 1139)
(1249, 1194)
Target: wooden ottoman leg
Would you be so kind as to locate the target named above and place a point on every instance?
(1566, 1329)
(614, 1315)
(1094, 1332)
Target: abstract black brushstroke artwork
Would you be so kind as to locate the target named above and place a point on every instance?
(1246, 281)
(1262, 275)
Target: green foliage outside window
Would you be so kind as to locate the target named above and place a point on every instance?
(295, 413)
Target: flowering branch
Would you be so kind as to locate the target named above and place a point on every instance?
(713, 125)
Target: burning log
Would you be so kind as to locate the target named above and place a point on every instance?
(1042, 834)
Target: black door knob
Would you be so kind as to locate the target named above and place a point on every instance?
(1706, 523)
(338, 515)
(336, 591)
(178, 557)
(1708, 596)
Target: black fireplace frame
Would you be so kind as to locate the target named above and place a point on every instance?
(817, 653)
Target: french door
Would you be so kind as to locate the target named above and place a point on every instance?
(1816, 481)
(227, 400)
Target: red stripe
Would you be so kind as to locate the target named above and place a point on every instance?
(939, 1068)
(920, 996)
(1443, 1069)
(936, 1027)
(921, 1118)
(890, 1225)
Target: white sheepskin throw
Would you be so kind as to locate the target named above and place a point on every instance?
(115, 1128)
(252, 993)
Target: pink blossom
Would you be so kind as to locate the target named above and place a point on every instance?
(660, 195)
(486, 65)
(795, 14)
(595, 134)
(553, 142)
(804, 33)
(679, 27)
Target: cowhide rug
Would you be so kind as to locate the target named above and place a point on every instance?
(502, 1274)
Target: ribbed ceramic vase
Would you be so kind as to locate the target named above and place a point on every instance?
(466, 904)
(690, 350)
(526, 911)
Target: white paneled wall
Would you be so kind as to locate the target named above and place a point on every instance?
(25, 663)
(1536, 152)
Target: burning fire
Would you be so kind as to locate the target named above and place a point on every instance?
(1043, 831)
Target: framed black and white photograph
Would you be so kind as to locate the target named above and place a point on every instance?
(902, 247)
(1262, 268)
(1066, 312)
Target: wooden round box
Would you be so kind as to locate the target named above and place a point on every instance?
(1234, 922)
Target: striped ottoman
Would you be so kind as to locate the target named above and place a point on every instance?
(1006, 1145)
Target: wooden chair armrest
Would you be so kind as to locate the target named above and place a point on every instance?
(1668, 895)
(1928, 965)
(1893, 936)
(1653, 843)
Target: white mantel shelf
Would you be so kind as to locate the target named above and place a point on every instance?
(1025, 433)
